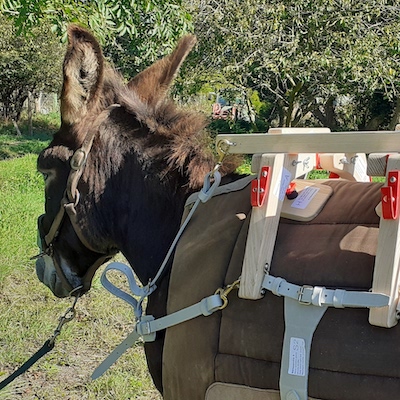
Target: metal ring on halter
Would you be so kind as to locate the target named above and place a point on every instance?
(76, 292)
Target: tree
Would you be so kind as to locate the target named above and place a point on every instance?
(314, 60)
(28, 64)
(136, 32)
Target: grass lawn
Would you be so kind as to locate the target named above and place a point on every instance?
(21, 203)
(30, 312)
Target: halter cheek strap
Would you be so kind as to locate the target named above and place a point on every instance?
(68, 207)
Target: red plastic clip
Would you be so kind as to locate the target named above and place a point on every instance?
(259, 187)
(390, 196)
(291, 192)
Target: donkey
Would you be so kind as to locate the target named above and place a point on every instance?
(117, 176)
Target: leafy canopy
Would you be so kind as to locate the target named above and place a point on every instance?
(304, 55)
(136, 31)
(27, 64)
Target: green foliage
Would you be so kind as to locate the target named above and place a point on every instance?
(27, 64)
(136, 32)
(311, 59)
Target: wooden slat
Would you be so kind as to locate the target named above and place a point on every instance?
(294, 143)
(350, 166)
(309, 130)
(386, 270)
(305, 162)
(264, 226)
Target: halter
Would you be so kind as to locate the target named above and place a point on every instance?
(68, 208)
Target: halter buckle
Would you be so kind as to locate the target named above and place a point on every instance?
(78, 159)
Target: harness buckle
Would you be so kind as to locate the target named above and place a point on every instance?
(78, 159)
(305, 290)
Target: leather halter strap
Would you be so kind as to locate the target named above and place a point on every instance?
(67, 207)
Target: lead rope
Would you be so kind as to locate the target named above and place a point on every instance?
(48, 345)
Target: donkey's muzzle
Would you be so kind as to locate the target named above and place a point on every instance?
(45, 268)
(47, 274)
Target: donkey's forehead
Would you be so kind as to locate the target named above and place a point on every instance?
(52, 156)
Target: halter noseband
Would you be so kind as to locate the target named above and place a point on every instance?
(67, 207)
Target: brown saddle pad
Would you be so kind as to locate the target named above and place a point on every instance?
(350, 359)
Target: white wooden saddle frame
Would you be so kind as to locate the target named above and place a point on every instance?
(280, 149)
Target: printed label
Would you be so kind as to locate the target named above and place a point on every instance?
(360, 169)
(297, 357)
(304, 198)
(282, 184)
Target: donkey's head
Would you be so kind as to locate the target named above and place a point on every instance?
(120, 165)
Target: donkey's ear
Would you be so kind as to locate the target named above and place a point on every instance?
(83, 74)
(152, 84)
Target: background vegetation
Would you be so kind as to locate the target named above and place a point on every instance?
(333, 63)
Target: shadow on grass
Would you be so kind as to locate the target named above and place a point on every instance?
(12, 145)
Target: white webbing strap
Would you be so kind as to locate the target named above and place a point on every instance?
(205, 307)
(141, 292)
(147, 325)
(321, 296)
(304, 307)
(300, 324)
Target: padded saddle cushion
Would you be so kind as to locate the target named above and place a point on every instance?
(350, 359)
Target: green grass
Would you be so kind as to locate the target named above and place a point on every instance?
(22, 192)
(12, 146)
(64, 373)
(22, 202)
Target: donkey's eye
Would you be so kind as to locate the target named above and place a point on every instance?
(47, 175)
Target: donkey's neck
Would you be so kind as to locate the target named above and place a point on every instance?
(146, 233)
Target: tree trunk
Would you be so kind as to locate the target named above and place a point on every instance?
(16, 127)
(328, 117)
(30, 114)
(396, 115)
(281, 113)
(38, 103)
(291, 110)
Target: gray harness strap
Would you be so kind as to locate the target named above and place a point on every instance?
(320, 296)
(304, 307)
(300, 324)
(147, 325)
